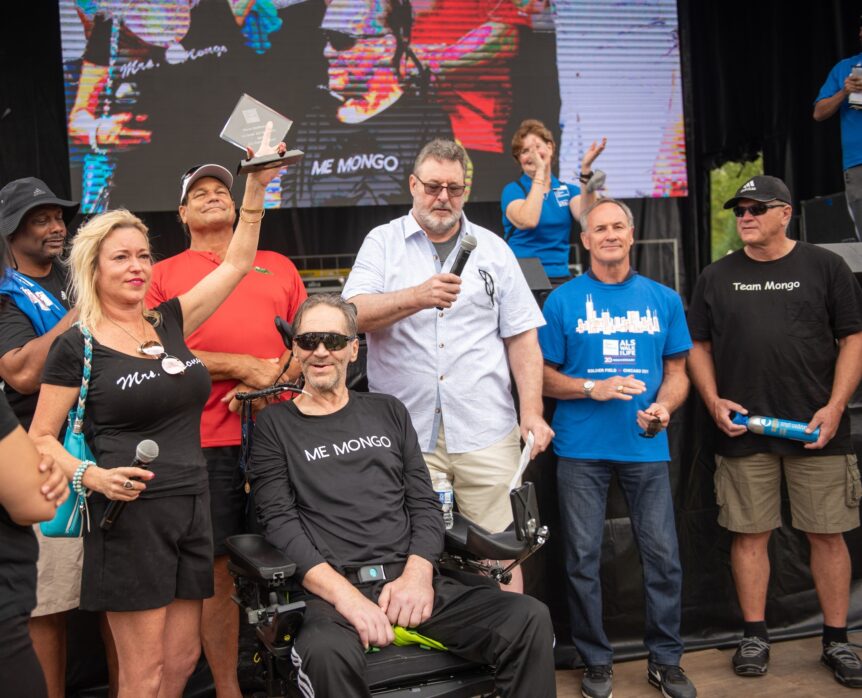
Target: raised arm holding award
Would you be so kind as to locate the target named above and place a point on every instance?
(254, 125)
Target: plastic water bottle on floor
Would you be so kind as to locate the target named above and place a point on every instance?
(443, 488)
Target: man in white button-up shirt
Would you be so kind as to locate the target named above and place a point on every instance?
(444, 344)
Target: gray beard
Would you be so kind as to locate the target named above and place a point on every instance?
(437, 226)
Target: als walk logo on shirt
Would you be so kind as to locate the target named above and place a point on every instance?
(618, 352)
(561, 194)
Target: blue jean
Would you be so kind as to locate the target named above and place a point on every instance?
(582, 488)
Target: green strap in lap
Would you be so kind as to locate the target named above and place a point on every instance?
(405, 636)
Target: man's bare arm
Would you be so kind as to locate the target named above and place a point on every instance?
(525, 360)
(244, 368)
(671, 393)
(22, 367)
(848, 373)
(377, 311)
(824, 108)
(701, 370)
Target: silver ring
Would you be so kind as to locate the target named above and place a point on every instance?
(127, 485)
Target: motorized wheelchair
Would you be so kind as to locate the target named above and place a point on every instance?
(263, 580)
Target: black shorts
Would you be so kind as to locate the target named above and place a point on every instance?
(227, 494)
(158, 550)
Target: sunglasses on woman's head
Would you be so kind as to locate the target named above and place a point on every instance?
(332, 341)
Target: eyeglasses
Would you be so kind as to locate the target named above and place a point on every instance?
(489, 284)
(332, 341)
(170, 364)
(433, 189)
(754, 209)
(342, 41)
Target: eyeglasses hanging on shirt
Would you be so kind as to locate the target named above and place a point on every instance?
(489, 284)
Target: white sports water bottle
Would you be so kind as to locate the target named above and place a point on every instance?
(443, 488)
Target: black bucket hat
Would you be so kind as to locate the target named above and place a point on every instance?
(23, 195)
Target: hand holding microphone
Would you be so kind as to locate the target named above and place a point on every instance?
(468, 244)
(146, 452)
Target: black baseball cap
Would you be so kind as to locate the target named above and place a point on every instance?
(23, 195)
(761, 188)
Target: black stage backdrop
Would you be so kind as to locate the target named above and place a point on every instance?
(751, 72)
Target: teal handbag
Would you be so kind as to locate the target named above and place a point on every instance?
(68, 521)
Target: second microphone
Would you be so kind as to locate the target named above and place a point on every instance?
(146, 452)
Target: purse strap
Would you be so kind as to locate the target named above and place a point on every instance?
(78, 423)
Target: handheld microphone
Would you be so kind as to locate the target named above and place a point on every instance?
(146, 452)
(468, 244)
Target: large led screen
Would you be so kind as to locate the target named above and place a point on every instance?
(151, 83)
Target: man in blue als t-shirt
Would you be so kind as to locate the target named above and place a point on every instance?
(614, 349)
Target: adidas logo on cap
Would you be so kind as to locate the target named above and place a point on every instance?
(748, 186)
(37, 191)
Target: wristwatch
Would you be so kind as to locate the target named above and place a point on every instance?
(588, 388)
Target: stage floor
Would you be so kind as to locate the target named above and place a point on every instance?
(794, 671)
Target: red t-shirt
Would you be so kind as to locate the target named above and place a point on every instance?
(243, 324)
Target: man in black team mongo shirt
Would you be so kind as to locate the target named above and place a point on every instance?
(340, 484)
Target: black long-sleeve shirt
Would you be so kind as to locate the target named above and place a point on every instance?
(349, 488)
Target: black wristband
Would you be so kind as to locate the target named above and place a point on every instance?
(585, 177)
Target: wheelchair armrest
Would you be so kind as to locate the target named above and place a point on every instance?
(456, 537)
(495, 546)
(468, 538)
(254, 557)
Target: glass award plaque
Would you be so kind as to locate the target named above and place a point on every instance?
(254, 125)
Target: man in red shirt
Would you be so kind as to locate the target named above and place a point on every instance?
(240, 347)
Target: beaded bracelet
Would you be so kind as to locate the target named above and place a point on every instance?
(78, 477)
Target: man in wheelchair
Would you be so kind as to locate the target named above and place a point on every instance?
(342, 489)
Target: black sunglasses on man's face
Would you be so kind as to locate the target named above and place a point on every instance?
(332, 341)
(754, 209)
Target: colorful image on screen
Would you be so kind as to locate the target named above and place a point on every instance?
(151, 83)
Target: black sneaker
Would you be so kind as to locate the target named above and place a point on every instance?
(844, 663)
(671, 680)
(751, 657)
(598, 681)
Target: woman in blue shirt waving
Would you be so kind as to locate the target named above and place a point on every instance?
(538, 208)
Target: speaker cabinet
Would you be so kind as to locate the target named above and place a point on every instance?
(826, 219)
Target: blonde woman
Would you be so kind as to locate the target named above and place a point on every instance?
(152, 569)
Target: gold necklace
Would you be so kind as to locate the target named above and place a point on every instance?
(145, 348)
